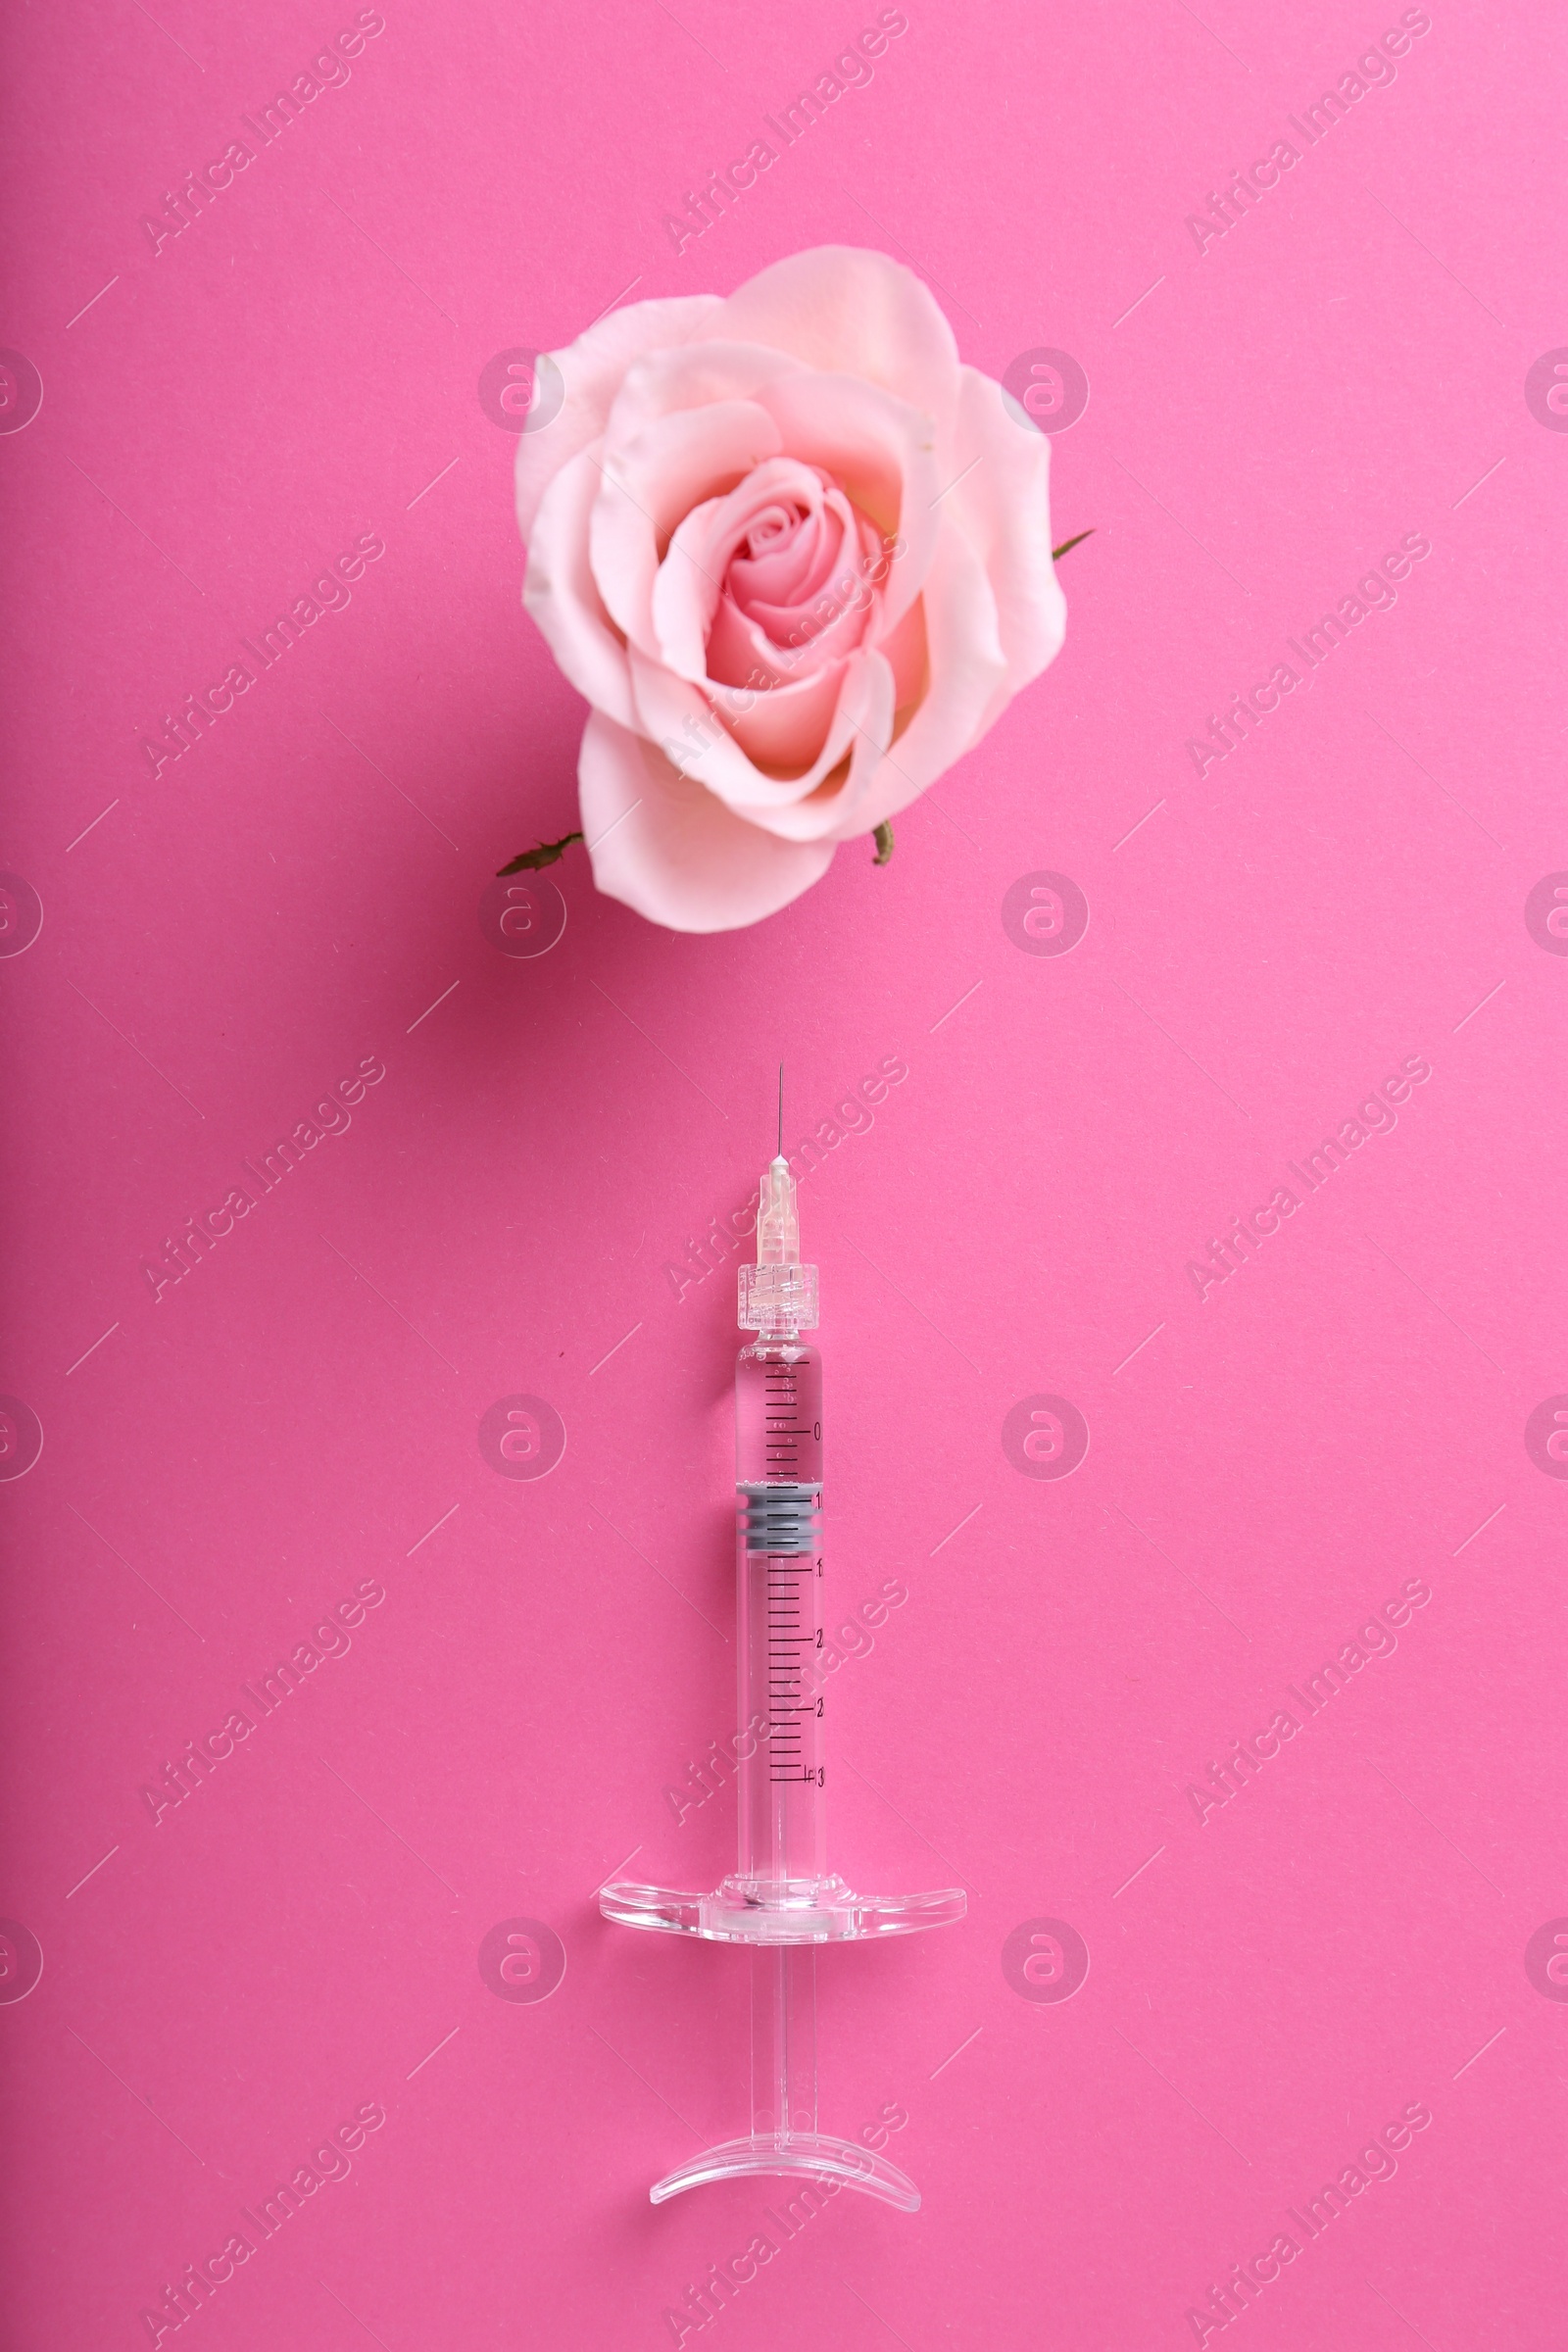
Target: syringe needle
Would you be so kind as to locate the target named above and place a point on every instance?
(781, 1110)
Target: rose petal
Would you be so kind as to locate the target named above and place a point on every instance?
(688, 588)
(826, 615)
(689, 375)
(905, 651)
(782, 728)
(788, 567)
(680, 720)
(560, 594)
(789, 592)
(848, 311)
(883, 450)
(744, 652)
(966, 668)
(835, 810)
(690, 581)
(664, 846)
(592, 370)
(820, 802)
(650, 483)
(1004, 508)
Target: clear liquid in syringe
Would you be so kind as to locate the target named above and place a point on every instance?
(779, 1484)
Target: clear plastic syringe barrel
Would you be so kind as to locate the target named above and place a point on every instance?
(778, 1464)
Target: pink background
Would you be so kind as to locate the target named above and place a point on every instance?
(1269, 1986)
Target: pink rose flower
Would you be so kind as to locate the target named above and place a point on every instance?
(797, 557)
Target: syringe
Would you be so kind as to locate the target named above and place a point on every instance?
(781, 1898)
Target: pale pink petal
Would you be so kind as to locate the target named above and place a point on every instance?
(905, 651)
(690, 374)
(782, 728)
(849, 312)
(743, 653)
(739, 652)
(687, 589)
(836, 809)
(592, 370)
(680, 720)
(786, 615)
(883, 452)
(1004, 508)
(650, 484)
(560, 594)
(690, 581)
(967, 671)
(796, 592)
(665, 848)
(792, 558)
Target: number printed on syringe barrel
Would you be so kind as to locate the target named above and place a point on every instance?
(778, 1450)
